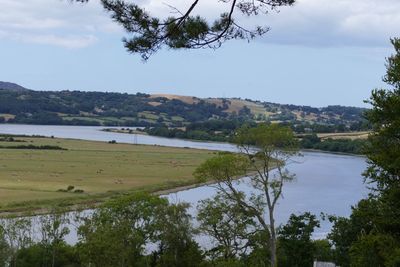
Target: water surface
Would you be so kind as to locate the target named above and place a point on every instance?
(324, 182)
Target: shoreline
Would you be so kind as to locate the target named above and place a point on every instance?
(94, 201)
(93, 204)
(120, 131)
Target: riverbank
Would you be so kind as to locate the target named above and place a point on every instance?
(349, 143)
(126, 130)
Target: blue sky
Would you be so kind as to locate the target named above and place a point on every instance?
(318, 53)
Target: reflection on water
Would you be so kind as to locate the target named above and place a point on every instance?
(324, 182)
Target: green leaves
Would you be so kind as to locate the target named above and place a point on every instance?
(221, 167)
(187, 30)
(118, 233)
(370, 236)
(295, 245)
(392, 76)
(228, 225)
(268, 138)
(384, 150)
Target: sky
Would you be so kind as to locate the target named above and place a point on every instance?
(318, 52)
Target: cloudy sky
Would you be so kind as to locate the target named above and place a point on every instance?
(318, 52)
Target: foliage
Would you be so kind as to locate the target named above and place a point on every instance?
(323, 250)
(117, 233)
(262, 148)
(97, 108)
(185, 30)
(370, 236)
(4, 249)
(295, 246)
(175, 237)
(375, 249)
(211, 130)
(230, 228)
(312, 141)
(38, 255)
(216, 117)
(43, 147)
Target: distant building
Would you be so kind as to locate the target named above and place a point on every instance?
(324, 264)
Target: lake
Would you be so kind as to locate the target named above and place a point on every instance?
(324, 182)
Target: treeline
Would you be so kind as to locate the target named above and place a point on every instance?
(224, 131)
(212, 130)
(333, 145)
(50, 107)
(34, 147)
(145, 230)
(122, 109)
(331, 127)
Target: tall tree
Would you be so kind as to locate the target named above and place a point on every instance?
(262, 148)
(370, 237)
(185, 28)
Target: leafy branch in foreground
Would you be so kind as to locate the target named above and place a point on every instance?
(185, 29)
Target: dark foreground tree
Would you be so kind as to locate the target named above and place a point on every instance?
(371, 236)
(296, 248)
(185, 28)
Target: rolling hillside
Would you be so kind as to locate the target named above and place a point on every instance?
(20, 105)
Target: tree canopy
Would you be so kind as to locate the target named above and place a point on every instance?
(186, 28)
(262, 148)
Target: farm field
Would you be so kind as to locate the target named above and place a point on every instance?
(347, 135)
(88, 171)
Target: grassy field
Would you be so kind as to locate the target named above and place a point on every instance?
(32, 178)
(348, 135)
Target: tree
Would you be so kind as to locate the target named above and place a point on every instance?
(175, 238)
(384, 150)
(323, 250)
(184, 29)
(18, 235)
(296, 247)
(4, 249)
(262, 148)
(370, 237)
(225, 222)
(53, 228)
(117, 233)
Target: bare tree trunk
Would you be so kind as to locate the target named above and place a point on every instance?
(272, 238)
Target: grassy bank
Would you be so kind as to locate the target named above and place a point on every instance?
(88, 172)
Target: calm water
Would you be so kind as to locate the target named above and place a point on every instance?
(94, 133)
(324, 182)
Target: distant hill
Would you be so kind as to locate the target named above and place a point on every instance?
(11, 86)
(20, 105)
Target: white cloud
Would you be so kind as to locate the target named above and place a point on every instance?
(309, 22)
(339, 22)
(54, 22)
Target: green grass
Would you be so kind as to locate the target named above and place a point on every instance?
(32, 178)
(148, 115)
(98, 119)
